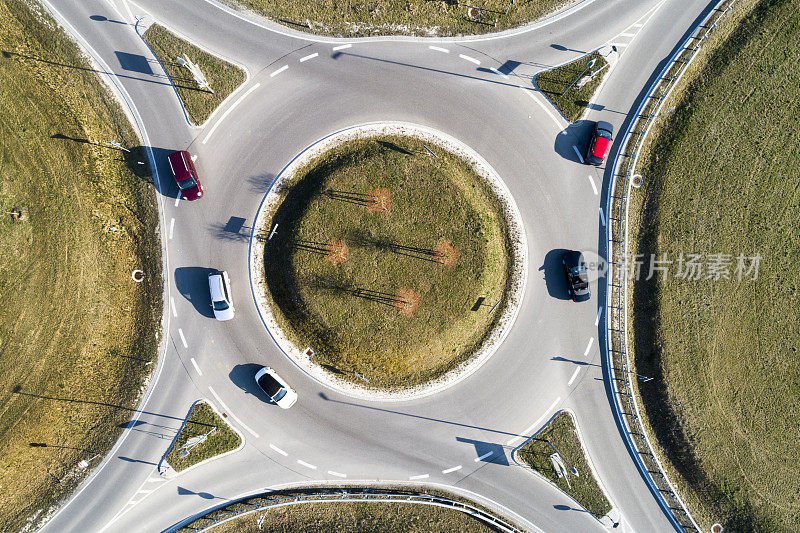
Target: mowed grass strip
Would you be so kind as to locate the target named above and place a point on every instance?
(76, 333)
(562, 435)
(721, 178)
(382, 253)
(362, 18)
(203, 420)
(560, 85)
(223, 77)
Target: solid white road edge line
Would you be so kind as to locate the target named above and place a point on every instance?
(341, 47)
(307, 465)
(533, 426)
(470, 59)
(421, 476)
(484, 456)
(574, 375)
(599, 314)
(310, 56)
(454, 469)
(197, 368)
(337, 474)
(439, 49)
(228, 111)
(594, 187)
(183, 339)
(283, 453)
(227, 410)
(588, 347)
(285, 67)
(558, 123)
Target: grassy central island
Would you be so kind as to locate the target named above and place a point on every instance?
(389, 261)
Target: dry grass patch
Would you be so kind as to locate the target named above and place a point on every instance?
(76, 333)
(560, 85)
(206, 425)
(387, 293)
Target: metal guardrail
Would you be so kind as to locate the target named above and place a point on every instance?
(618, 356)
(355, 496)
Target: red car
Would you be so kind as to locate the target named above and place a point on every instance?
(598, 145)
(185, 175)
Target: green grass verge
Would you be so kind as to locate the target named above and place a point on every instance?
(361, 18)
(223, 77)
(202, 419)
(359, 315)
(562, 435)
(721, 178)
(75, 331)
(573, 102)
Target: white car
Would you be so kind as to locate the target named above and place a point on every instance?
(277, 389)
(219, 284)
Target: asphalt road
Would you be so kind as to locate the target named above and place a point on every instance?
(551, 360)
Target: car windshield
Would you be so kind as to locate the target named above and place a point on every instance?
(270, 385)
(280, 395)
(188, 183)
(220, 305)
(604, 134)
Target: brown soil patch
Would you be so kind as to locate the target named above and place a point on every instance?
(379, 200)
(407, 301)
(337, 252)
(446, 254)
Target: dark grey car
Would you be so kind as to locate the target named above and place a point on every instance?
(577, 278)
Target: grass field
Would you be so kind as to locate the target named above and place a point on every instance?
(560, 433)
(76, 333)
(572, 103)
(721, 178)
(360, 18)
(223, 77)
(202, 420)
(382, 255)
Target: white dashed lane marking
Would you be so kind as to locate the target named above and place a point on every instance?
(588, 347)
(439, 49)
(470, 59)
(574, 375)
(599, 314)
(178, 199)
(594, 187)
(484, 456)
(454, 469)
(341, 47)
(498, 72)
(183, 339)
(580, 155)
(307, 465)
(172, 305)
(197, 368)
(283, 453)
(337, 474)
(421, 476)
(602, 217)
(225, 408)
(285, 67)
(310, 56)
(171, 228)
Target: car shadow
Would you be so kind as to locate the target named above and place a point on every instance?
(575, 136)
(553, 272)
(192, 283)
(244, 377)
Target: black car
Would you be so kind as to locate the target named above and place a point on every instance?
(577, 279)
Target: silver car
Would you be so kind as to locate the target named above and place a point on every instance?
(219, 284)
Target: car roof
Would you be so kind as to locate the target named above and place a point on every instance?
(270, 385)
(600, 147)
(179, 165)
(215, 286)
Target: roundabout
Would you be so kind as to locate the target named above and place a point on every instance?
(300, 89)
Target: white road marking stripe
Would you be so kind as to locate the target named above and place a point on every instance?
(341, 47)
(619, 45)
(580, 156)
(574, 375)
(155, 480)
(559, 125)
(599, 314)
(470, 59)
(533, 426)
(637, 25)
(307, 465)
(337, 474)
(626, 35)
(310, 56)
(283, 453)
(285, 67)
(197, 368)
(439, 49)
(183, 339)
(172, 305)
(588, 346)
(421, 476)
(484, 456)
(228, 111)
(455, 468)
(498, 72)
(171, 228)
(602, 217)
(144, 491)
(178, 199)
(594, 187)
(225, 408)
